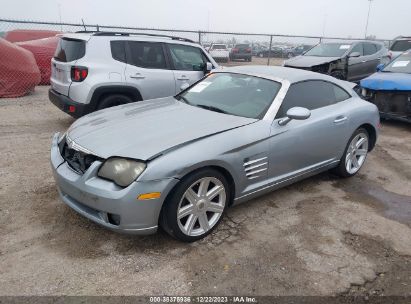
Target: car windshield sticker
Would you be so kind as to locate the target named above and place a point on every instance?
(400, 64)
(345, 47)
(199, 87)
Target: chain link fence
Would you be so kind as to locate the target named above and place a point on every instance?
(22, 40)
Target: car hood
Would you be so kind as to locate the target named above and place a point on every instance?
(308, 61)
(388, 82)
(143, 130)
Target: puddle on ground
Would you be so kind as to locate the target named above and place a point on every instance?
(396, 206)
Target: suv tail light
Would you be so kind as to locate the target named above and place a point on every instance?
(78, 74)
(235, 50)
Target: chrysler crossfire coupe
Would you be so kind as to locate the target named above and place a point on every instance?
(179, 162)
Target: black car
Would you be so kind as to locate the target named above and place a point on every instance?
(241, 51)
(298, 50)
(275, 52)
(350, 61)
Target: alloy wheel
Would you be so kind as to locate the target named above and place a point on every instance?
(356, 153)
(201, 206)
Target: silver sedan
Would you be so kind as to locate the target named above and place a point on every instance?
(180, 162)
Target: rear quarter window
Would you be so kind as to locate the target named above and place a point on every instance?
(70, 49)
(118, 50)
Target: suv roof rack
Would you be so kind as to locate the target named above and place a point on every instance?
(99, 33)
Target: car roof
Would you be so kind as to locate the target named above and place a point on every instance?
(278, 73)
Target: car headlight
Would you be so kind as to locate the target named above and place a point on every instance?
(121, 171)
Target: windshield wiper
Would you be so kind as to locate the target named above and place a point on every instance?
(211, 108)
(183, 99)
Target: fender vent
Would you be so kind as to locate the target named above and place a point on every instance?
(255, 168)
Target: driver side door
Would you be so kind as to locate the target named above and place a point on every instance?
(303, 146)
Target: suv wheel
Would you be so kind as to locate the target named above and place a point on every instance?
(196, 206)
(113, 100)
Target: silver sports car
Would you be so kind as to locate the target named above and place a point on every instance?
(180, 162)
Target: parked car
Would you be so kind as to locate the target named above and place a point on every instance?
(298, 50)
(256, 49)
(275, 52)
(93, 71)
(351, 61)
(219, 52)
(180, 162)
(241, 51)
(390, 88)
(400, 45)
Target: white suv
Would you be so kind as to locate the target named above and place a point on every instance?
(92, 71)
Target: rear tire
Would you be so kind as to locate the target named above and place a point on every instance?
(113, 100)
(192, 211)
(354, 154)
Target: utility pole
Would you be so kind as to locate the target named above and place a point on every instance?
(368, 18)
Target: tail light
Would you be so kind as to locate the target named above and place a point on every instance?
(248, 50)
(235, 50)
(78, 74)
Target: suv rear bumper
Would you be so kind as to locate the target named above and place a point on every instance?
(67, 105)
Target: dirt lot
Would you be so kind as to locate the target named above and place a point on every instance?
(322, 236)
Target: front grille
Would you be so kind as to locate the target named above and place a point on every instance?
(398, 103)
(77, 160)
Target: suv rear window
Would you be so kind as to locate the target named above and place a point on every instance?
(401, 45)
(70, 49)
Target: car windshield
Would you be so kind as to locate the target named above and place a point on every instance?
(328, 50)
(234, 94)
(219, 47)
(401, 45)
(400, 65)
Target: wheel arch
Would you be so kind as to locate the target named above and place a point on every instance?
(221, 169)
(372, 132)
(101, 92)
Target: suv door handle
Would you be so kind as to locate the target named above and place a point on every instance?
(183, 77)
(137, 76)
(340, 119)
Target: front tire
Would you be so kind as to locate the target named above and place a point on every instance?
(354, 155)
(196, 206)
(338, 74)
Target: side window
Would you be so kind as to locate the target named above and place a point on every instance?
(118, 50)
(358, 48)
(148, 55)
(187, 58)
(311, 94)
(340, 94)
(369, 49)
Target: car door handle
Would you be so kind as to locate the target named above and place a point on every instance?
(340, 119)
(137, 76)
(183, 77)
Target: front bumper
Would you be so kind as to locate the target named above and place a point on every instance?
(102, 201)
(64, 103)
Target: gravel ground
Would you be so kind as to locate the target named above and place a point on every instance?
(322, 236)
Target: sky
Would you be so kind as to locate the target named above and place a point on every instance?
(333, 18)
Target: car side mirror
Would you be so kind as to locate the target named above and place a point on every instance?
(297, 113)
(380, 67)
(354, 55)
(208, 67)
